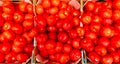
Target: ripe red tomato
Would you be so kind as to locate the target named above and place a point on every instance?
(7, 25)
(53, 10)
(96, 19)
(41, 38)
(18, 17)
(29, 8)
(116, 57)
(9, 34)
(20, 41)
(62, 37)
(107, 31)
(116, 4)
(2, 38)
(8, 8)
(81, 31)
(87, 44)
(76, 21)
(67, 25)
(40, 22)
(115, 41)
(39, 9)
(46, 3)
(7, 17)
(17, 49)
(52, 57)
(22, 57)
(41, 46)
(107, 59)
(59, 47)
(90, 6)
(107, 4)
(101, 50)
(23, 6)
(51, 20)
(75, 13)
(94, 57)
(76, 43)
(91, 35)
(10, 57)
(95, 27)
(75, 55)
(29, 16)
(55, 2)
(63, 5)
(33, 32)
(28, 24)
(111, 49)
(104, 41)
(86, 19)
(28, 38)
(50, 44)
(106, 22)
(2, 57)
(105, 13)
(116, 15)
(62, 14)
(17, 28)
(28, 48)
(73, 33)
(67, 48)
(5, 47)
(64, 58)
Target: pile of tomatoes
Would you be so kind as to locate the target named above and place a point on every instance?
(61, 31)
(16, 32)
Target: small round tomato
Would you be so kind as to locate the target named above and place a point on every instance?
(33, 32)
(80, 31)
(96, 19)
(22, 57)
(9, 9)
(10, 57)
(52, 57)
(101, 50)
(17, 28)
(5, 48)
(28, 48)
(7, 25)
(41, 38)
(18, 17)
(23, 6)
(116, 4)
(95, 27)
(76, 21)
(29, 16)
(62, 37)
(76, 43)
(9, 34)
(52, 35)
(91, 35)
(51, 20)
(86, 19)
(46, 4)
(29, 8)
(115, 41)
(59, 47)
(75, 55)
(39, 9)
(73, 33)
(107, 59)
(67, 48)
(64, 58)
(16, 49)
(7, 17)
(116, 15)
(50, 44)
(53, 10)
(106, 22)
(87, 44)
(19, 41)
(1, 21)
(90, 6)
(94, 57)
(55, 2)
(67, 25)
(28, 24)
(116, 57)
(104, 41)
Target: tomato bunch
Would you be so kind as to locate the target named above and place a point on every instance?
(59, 33)
(16, 32)
(101, 24)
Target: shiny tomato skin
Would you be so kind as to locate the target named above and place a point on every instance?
(19, 41)
(59, 47)
(7, 17)
(62, 37)
(104, 41)
(115, 41)
(107, 59)
(46, 4)
(41, 38)
(28, 48)
(64, 58)
(16, 49)
(9, 34)
(5, 48)
(23, 6)
(7, 25)
(67, 48)
(55, 2)
(101, 50)
(29, 8)
(75, 55)
(94, 57)
(50, 44)
(39, 9)
(90, 6)
(10, 57)
(29, 16)
(17, 28)
(28, 24)
(22, 57)
(18, 17)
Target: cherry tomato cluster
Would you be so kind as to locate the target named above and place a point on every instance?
(102, 27)
(16, 32)
(59, 31)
